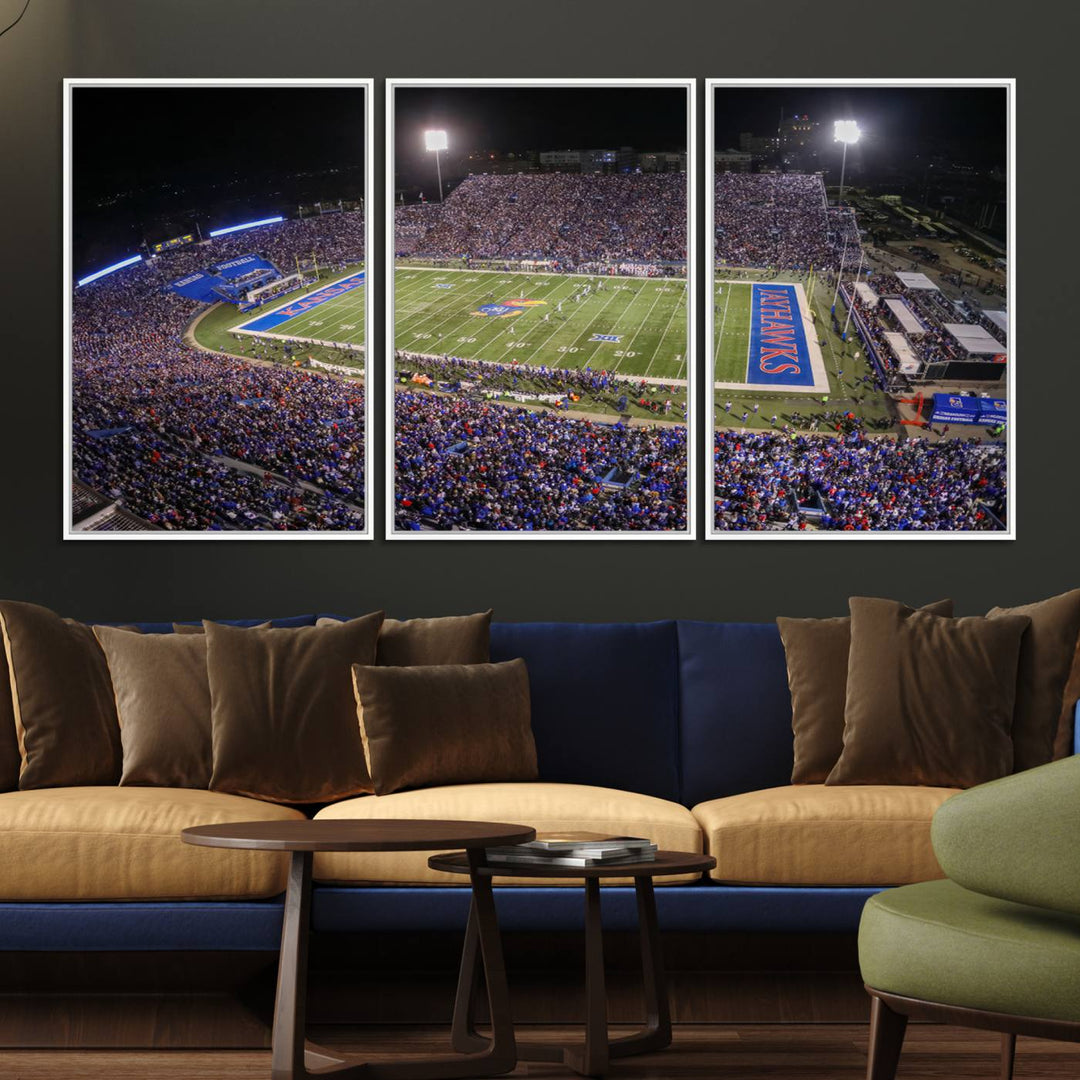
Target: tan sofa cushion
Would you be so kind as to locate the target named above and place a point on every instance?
(546, 807)
(123, 843)
(810, 834)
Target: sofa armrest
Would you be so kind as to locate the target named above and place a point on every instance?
(1017, 838)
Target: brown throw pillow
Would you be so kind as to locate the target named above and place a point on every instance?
(454, 639)
(65, 717)
(282, 710)
(1046, 657)
(929, 699)
(197, 628)
(9, 740)
(817, 663)
(1066, 730)
(445, 724)
(163, 703)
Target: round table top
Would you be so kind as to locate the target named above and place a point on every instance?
(375, 834)
(666, 862)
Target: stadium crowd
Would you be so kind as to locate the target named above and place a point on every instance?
(859, 482)
(337, 239)
(572, 218)
(467, 465)
(195, 441)
(776, 220)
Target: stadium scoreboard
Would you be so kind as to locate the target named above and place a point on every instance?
(174, 242)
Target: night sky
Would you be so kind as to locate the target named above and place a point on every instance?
(150, 160)
(514, 119)
(898, 123)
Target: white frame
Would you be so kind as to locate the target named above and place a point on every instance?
(692, 373)
(711, 86)
(68, 285)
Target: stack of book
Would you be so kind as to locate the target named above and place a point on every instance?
(575, 849)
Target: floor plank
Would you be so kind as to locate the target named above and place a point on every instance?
(716, 1052)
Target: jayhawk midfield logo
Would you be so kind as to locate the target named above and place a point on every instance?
(507, 309)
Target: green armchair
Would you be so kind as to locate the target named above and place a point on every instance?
(997, 944)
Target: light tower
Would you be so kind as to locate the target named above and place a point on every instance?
(436, 141)
(846, 132)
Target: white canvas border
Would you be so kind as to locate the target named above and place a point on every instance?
(67, 285)
(711, 85)
(692, 441)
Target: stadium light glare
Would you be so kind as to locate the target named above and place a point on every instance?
(109, 270)
(846, 132)
(436, 140)
(246, 225)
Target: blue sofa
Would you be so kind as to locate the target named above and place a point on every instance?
(681, 711)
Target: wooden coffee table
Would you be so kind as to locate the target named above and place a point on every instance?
(591, 1058)
(294, 1059)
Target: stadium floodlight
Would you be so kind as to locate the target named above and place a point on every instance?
(846, 132)
(246, 225)
(109, 270)
(435, 140)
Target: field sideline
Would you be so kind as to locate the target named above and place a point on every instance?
(635, 326)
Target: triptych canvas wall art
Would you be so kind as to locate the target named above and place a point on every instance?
(541, 373)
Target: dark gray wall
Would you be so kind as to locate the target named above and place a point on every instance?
(559, 38)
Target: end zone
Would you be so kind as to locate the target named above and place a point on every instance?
(782, 348)
(262, 325)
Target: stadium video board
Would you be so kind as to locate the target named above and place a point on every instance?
(173, 243)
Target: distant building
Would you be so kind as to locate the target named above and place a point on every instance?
(661, 161)
(580, 161)
(797, 132)
(494, 161)
(733, 161)
(758, 144)
(625, 159)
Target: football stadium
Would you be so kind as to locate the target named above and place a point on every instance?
(540, 332)
(859, 385)
(217, 381)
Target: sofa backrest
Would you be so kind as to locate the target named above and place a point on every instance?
(604, 701)
(735, 710)
(686, 711)
(166, 627)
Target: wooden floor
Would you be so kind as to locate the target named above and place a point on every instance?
(700, 1052)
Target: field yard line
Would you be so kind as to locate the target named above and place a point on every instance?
(723, 323)
(557, 330)
(642, 323)
(302, 323)
(510, 323)
(408, 302)
(614, 292)
(434, 309)
(442, 319)
(664, 335)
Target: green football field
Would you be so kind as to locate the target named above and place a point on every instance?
(731, 316)
(636, 326)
